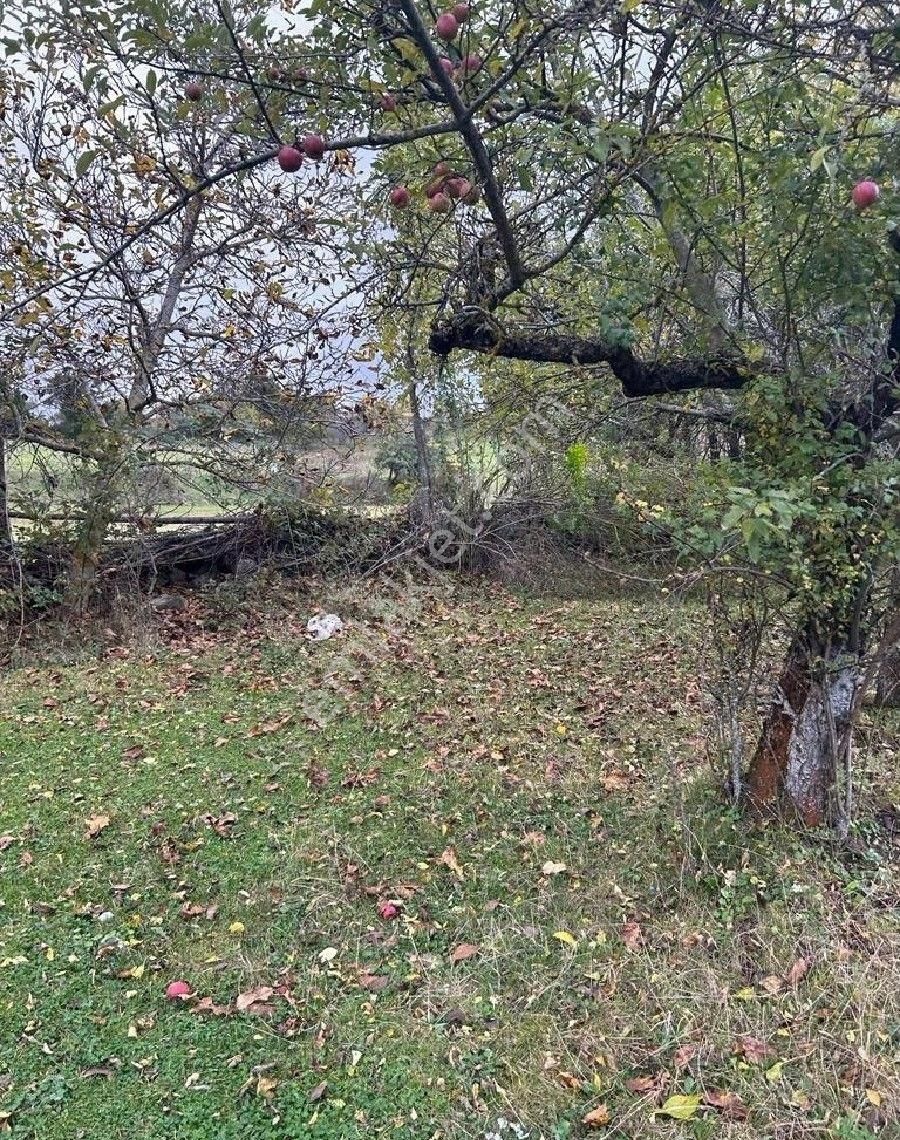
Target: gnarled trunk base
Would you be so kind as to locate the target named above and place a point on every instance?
(804, 736)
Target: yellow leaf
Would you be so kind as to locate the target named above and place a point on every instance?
(51, 954)
(565, 936)
(551, 868)
(266, 1086)
(873, 1097)
(748, 993)
(237, 928)
(774, 1074)
(680, 1107)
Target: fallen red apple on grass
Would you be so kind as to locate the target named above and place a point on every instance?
(193, 91)
(313, 147)
(447, 26)
(400, 197)
(388, 911)
(178, 991)
(290, 159)
(865, 194)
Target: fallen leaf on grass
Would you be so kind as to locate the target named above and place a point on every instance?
(771, 984)
(632, 935)
(551, 868)
(728, 1103)
(568, 1080)
(680, 1107)
(207, 1005)
(463, 952)
(566, 937)
(684, 1055)
(641, 1085)
(95, 824)
(245, 1002)
(105, 1071)
(316, 1093)
(597, 1118)
(6, 841)
(266, 1086)
(873, 1097)
(798, 971)
(374, 982)
(775, 1073)
(449, 859)
(752, 1049)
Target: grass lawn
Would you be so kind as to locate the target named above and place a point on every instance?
(579, 928)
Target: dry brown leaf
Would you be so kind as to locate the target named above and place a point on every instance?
(632, 935)
(244, 1002)
(728, 1103)
(640, 1085)
(95, 824)
(463, 952)
(798, 971)
(207, 1005)
(771, 984)
(374, 982)
(266, 1086)
(752, 1049)
(316, 1093)
(6, 841)
(684, 1055)
(449, 859)
(568, 1080)
(614, 781)
(597, 1118)
(552, 868)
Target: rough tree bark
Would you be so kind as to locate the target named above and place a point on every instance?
(804, 731)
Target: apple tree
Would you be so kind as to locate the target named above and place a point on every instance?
(659, 195)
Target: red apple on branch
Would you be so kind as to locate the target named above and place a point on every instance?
(439, 203)
(290, 159)
(865, 194)
(447, 26)
(193, 91)
(313, 147)
(400, 197)
(461, 12)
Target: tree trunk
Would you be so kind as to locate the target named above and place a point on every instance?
(6, 534)
(102, 490)
(805, 733)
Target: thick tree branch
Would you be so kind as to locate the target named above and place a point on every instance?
(475, 330)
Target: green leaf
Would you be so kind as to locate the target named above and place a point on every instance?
(84, 161)
(151, 82)
(112, 105)
(817, 158)
(680, 1107)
